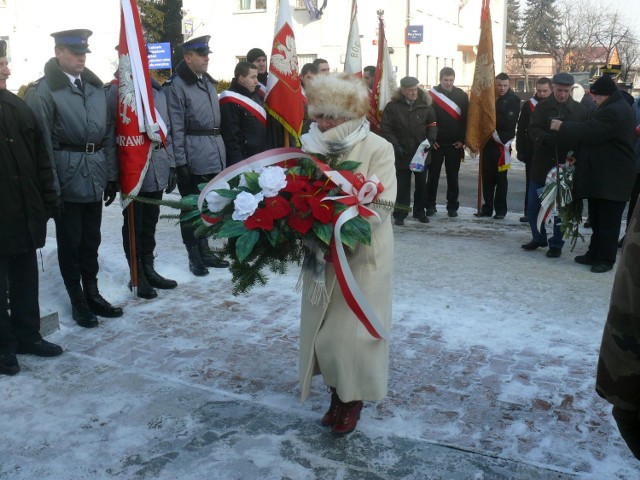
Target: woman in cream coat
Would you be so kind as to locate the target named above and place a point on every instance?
(333, 342)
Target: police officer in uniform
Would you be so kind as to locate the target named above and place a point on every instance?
(70, 105)
(28, 199)
(198, 148)
(160, 175)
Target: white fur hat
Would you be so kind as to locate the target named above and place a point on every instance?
(339, 95)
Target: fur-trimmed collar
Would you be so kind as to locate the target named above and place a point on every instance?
(190, 78)
(57, 79)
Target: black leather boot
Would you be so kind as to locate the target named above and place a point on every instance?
(97, 303)
(155, 279)
(80, 310)
(145, 290)
(209, 258)
(196, 265)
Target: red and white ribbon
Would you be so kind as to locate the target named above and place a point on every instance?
(504, 162)
(245, 102)
(446, 104)
(358, 193)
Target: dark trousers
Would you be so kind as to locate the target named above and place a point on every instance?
(145, 217)
(634, 199)
(19, 275)
(527, 176)
(450, 156)
(403, 196)
(192, 189)
(494, 183)
(605, 217)
(628, 422)
(78, 237)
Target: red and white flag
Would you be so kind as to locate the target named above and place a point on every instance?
(139, 126)
(353, 58)
(284, 100)
(384, 82)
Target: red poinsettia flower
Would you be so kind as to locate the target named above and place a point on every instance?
(278, 206)
(321, 211)
(300, 222)
(261, 218)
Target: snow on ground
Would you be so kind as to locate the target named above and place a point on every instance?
(494, 351)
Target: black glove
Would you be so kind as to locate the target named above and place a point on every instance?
(183, 176)
(172, 180)
(110, 193)
(55, 209)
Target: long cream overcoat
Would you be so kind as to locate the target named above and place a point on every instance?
(333, 342)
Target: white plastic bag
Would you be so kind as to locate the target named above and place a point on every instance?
(419, 160)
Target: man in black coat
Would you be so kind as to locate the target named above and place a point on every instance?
(524, 143)
(28, 199)
(496, 158)
(605, 171)
(548, 152)
(451, 105)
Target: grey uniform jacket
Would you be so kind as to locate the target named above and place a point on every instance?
(74, 125)
(195, 121)
(161, 160)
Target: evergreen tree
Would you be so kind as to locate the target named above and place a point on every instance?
(513, 21)
(162, 22)
(542, 26)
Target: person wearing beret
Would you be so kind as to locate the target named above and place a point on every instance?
(548, 152)
(407, 120)
(70, 105)
(28, 199)
(198, 149)
(496, 152)
(605, 170)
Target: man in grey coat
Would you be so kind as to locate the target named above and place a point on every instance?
(70, 106)
(160, 175)
(198, 149)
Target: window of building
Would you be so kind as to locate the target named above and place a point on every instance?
(302, 59)
(300, 5)
(250, 5)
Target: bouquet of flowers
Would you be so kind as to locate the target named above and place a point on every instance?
(557, 201)
(271, 206)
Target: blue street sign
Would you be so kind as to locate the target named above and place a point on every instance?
(159, 55)
(414, 33)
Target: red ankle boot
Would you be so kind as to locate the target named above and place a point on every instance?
(329, 418)
(348, 417)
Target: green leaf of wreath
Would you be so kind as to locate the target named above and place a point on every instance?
(323, 231)
(357, 230)
(233, 228)
(245, 244)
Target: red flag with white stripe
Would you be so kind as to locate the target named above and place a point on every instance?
(384, 82)
(284, 100)
(353, 59)
(138, 124)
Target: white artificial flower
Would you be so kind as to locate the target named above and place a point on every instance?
(272, 180)
(243, 181)
(217, 202)
(245, 205)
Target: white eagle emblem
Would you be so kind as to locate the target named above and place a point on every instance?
(483, 73)
(287, 63)
(127, 89)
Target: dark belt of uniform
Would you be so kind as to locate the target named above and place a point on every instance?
(88, 148)
(213, 132)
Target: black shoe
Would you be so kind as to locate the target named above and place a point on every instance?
(498, 216)
(155, 279)
(587, 223)
(399, 221)
(524, 219)
(97, 303)
(532, 245)
(210, 259)
(424, 219)
(195, 261)
(601, 267)
(80, 310)
(41, 348)
(481, 214)
(9, 364)
(452, 213)
(584, 260)
(554, 252)
(431, 211)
